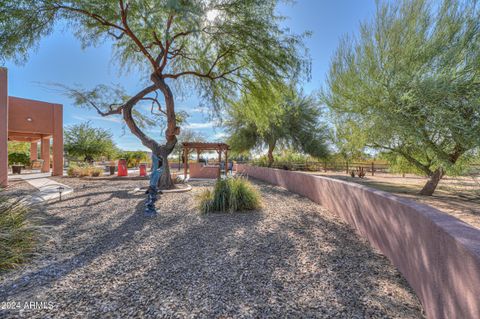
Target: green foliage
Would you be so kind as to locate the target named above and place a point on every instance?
(19, 147)
(230, 195)
(18, 158)
(409, 83)
(18, 153)
(17, 234)
(284, 157)
(211, 47)
(273, 115)
(134, 158)
(88, 143)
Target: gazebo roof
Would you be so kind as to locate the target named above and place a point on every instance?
(202, 146)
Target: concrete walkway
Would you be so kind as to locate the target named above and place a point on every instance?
(48, 189)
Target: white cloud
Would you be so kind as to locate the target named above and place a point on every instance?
(220, 135)
(200, 125)
(97, 118)
(200, 109)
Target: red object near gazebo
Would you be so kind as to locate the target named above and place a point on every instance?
(143, 169)
(122, 167)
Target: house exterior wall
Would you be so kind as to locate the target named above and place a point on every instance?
(40, 113)
(3, 128)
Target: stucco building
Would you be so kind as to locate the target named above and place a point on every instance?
(30, 121)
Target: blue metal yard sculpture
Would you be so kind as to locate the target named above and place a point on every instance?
(157, 171)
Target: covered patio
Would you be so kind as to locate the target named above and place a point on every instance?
(204, 170)
(30, 121)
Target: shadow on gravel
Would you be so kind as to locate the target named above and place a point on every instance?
(230, 265)
(46, 275)
(272, 263)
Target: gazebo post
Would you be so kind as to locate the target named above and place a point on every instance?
(219, 163)
(200, 147)
(226, 162)
(185, 164)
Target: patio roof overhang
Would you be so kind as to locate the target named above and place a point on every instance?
(203, 146)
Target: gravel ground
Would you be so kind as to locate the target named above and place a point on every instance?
(18, 188)
(292, 259)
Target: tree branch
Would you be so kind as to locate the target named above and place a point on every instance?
(424, 168)
(207, 75)
(129, 120)
(129, 32)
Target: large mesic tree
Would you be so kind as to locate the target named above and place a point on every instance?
(410, 83)
(276, 114)
(211, 47)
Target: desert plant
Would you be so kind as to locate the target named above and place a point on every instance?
(134, 158)
(83, 171)
(96, 171)
(17, 234)
(401, 85)
(73, 171)
(18, 158)
(229, 195)
(88, 143)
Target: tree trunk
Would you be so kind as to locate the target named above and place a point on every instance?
(271, 147)
(165, 181)
(162, 151)
(172, 130)
(432, 183)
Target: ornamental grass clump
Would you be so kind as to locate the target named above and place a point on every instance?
(17, 233)
(230, 195)
(84, 171)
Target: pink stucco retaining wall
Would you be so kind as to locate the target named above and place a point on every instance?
(438, 254)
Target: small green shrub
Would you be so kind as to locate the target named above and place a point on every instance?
(17, 235)
(229, 195)
(18, 158)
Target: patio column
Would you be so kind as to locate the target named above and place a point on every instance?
(57, 140)
(33, 151)
(3, 128)
(46, 154)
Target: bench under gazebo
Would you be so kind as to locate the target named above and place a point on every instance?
(204, 170)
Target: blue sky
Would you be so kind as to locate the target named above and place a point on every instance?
(60, 59)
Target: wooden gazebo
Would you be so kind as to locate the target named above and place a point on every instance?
(200, 147)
